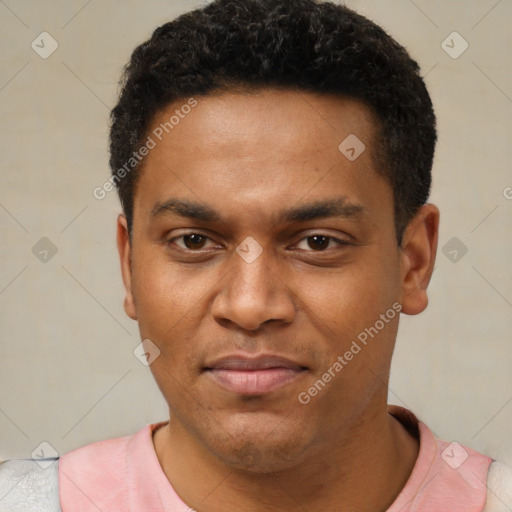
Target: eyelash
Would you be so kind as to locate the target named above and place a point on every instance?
(331, 238)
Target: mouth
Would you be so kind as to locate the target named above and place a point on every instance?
(253, 376)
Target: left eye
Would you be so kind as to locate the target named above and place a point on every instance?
(320, 243)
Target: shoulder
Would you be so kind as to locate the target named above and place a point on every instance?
(29, 486)
(499, 488)
(100, 475)
(94, 464)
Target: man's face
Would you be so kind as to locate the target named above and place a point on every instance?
(317, 284)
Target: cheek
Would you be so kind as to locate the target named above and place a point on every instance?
(163, 290)
(172, 304)
(346, 311)
(348, 298)
(162, 297)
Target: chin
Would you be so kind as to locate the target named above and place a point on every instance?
(260, 447)
(260, 458)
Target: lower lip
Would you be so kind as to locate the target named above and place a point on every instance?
(254, 382)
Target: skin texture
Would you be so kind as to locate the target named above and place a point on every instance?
(249, 157)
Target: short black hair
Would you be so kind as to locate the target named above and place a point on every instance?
(305, 45)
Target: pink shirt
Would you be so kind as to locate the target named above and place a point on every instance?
(124, 475)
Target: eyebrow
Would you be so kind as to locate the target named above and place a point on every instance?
(337, 207)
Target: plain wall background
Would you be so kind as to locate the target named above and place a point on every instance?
(68, 375)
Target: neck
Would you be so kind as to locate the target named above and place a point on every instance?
(362, 468)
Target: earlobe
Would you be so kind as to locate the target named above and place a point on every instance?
(124, 249)
(418, 255)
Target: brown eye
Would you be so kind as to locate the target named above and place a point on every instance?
(318, 242)
(190, 241)
(194, 241)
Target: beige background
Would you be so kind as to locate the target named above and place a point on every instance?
(67, 372)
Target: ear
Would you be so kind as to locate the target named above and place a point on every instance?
(417, 258)
(125, 257)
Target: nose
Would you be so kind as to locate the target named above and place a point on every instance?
(253, 294)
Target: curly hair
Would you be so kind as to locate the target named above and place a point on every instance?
(305, 45)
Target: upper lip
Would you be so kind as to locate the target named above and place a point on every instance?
(262, 362)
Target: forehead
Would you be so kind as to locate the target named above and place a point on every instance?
(258, 149)
(296, 120)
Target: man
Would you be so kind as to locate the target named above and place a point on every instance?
(273, 162)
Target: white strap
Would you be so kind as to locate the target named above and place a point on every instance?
(27, 486)
(499, 488)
